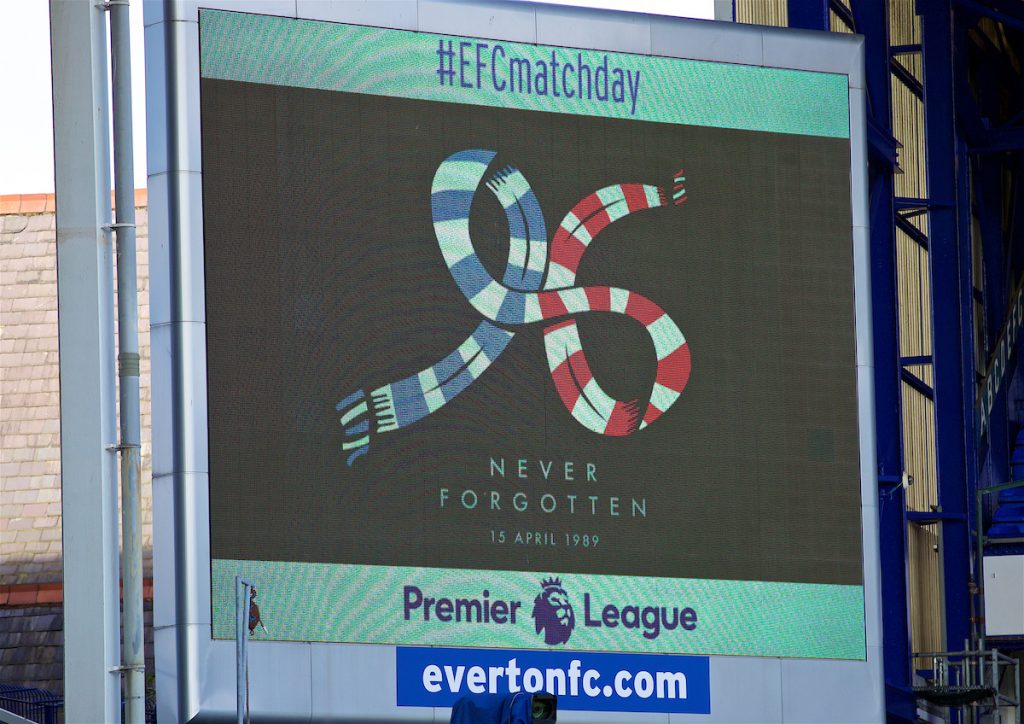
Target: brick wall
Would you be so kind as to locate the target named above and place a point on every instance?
(30, 530)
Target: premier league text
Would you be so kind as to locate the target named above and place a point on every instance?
(486, 66)
(649, 621)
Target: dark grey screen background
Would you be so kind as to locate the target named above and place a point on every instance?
(323, 276)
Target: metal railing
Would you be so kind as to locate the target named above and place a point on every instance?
(46, 707)
(36, 705)
(977, 683)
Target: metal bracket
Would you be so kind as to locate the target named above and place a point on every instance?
(113, 227)
(122, 447)
(111, 3)
(120, 669)
(128, 364)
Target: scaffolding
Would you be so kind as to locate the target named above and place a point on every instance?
(981, 685)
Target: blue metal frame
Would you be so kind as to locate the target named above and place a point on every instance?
(969, 378)
(952, 311)
(987, 129)
(966, 139)
(871, 19)
(952, 296)
(808, 14)
(987, 170)
(917, 383)
(961, 137)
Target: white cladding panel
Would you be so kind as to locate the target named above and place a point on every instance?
(1004, 595)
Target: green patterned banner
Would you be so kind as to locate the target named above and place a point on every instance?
(331, 56)
(509, 609)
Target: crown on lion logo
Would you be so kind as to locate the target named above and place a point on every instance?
(551, 583)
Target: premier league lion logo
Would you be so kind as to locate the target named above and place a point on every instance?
(553, 613)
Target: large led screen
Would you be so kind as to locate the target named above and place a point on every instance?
(523, 346)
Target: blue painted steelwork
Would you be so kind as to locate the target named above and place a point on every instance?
(917, 383)
(1001, 321)
(999, 140)
(871, 19)
(1015, 237)
(808, 14)
(982, 115)
(1001, 339)
(904, 49)
(987, 171)
(994, 426)
(921, 359)
(1002, 362)
(927, 517)
(1009, 13)
(912, 231)
(908, 78)
(904, 203)
(969, 485)
(844, 14)
(957, 135)
(951, 314)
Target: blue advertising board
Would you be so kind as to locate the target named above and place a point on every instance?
(583, 681)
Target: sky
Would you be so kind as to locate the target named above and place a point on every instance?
(26, 124)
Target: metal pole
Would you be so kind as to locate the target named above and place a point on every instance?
(133, 660)
(1016, 690)
(85, 305)
(979, 533)
(242, 588)
(239, 648)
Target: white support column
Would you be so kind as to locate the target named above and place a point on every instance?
(87, 388)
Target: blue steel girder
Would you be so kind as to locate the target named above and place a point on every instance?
(952, 310)
(882, 145)
(975, 119)
(981, 111)
(912, 231)
(1009, 13)
(982, 104)
(992, 410)
(871, 20)
(987, 172)
(979, 115)
(968, 344)
(808, 14)
(907, 78)
(989, 121)
(1015, 231)
(917, 383)
(998, 140)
